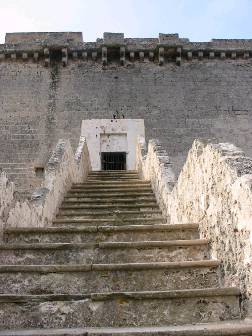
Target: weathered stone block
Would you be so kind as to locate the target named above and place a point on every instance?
(113, 38)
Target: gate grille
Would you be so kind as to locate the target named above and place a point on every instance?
(113, 160)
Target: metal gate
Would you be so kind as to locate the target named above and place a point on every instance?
(113, 160)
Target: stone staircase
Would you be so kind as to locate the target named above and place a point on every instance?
(110, 265)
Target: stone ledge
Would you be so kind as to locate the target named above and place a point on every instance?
(105, 245)
(160, 295)
(107, 267)
(186, 293)
(228, 328)
(104, 229)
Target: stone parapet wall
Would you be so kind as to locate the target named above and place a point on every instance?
(214, 189)
(62, 170)
(155, 165)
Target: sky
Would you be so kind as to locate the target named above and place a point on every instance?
(198, 20)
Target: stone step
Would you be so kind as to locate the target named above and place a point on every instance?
(104, 252)
(105, 188)
(113, 213)
(78, 204)
(110, 221)
(118, 178)
(87, 278)
(226, 328)
(112, 199)
(119, 309)
(115, 179)
(113, 172)
(99, 233)
(115, 195)
(115, 221)
(113, 183)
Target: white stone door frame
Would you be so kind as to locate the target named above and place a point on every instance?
(112, 135)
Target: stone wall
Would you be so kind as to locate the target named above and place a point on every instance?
(198, 99)
(207, 96)
(62, 170)
(214, 189)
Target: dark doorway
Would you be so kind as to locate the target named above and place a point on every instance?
(113, 160)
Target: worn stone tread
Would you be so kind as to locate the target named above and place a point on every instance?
(106, 267)
(119, 181)
(150, 244)
(229, 328)
(116, 195)
(102, 228)
(104, 245)
(120, 186)
(112, 220)
(86, 205)
(144, 295)
(114, 188)
(110, 199)
(156, 265)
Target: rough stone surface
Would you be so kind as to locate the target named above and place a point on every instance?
(214, 189)
(155, 165)
(86, 281)
(6, 199)
(62, 170)
(121, 310)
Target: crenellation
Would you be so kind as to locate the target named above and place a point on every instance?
(113, 38)
(176, 49)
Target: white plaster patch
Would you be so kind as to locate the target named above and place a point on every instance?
(112, 135)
